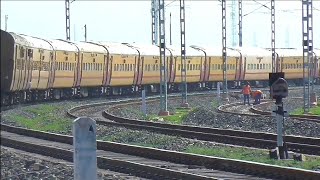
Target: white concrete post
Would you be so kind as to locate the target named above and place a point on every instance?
(218, 89)
(84, 146)
(144, 105)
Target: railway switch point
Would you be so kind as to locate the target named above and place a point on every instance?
(164, 113)
(85, 148)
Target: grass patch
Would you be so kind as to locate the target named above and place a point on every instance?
(43, 118)
(261, 156)
(176, 118)
(215, 104)
(313, 111)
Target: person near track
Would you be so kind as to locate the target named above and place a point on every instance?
(246, 91)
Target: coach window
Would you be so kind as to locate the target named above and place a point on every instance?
(21, 52)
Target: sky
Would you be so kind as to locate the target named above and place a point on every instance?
(130, 21)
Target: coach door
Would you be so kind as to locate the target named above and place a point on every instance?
(52, 68)
(238, 69)
(78, 70)
(207, 73)
(107, 70)
(173, 68)
(140, 71)
(243, 67)
(202, 70)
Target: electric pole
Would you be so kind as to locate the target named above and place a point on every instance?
(307, 38)
(233, 22)
(6, 22)
(163, 66)
(170, 31)
(183, 54)
(155, 21)
(273, 37)
(85, 33)
(240, 22)
(224, 47)
(68, 20)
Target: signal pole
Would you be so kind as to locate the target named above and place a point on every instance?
(183, 54)
(307, 38)
(163, 67)
(224, 46)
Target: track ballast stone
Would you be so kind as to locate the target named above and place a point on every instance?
(205, 114)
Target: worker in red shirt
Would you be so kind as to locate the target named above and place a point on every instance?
(257, 96)
(246, 91)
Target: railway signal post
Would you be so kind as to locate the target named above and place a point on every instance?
(183, 55)
(163, 67)
(279, 90)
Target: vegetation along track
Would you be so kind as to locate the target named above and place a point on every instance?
(149, 162)
(300, 144)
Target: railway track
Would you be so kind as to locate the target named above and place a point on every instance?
(306, 145)
(149, 162)
(240, 109)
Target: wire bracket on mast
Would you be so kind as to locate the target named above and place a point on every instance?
(163, 67)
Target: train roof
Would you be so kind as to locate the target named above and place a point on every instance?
(176, 51)
(118, 48)
(147, 49)
(90, 47)
(19, 39)
(217, 51)
(287, 52)
(62, 45)
(253, 51)
(37, 42)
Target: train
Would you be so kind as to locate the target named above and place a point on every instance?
(35, 69)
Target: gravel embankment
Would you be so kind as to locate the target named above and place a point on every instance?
(16, 164)
(205, 114)
(13, 163)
